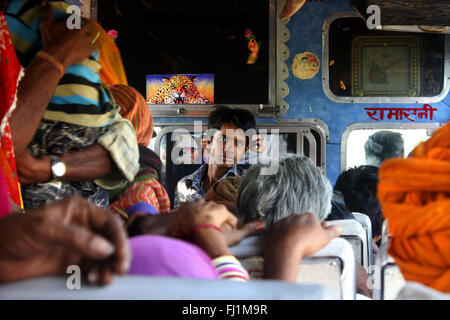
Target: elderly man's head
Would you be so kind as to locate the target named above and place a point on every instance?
(298, 187)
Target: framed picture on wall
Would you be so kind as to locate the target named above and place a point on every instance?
(180, 89)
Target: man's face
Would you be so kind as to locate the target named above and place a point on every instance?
(228, 146)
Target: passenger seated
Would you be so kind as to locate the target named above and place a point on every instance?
(225, 150)
(70, 133)
(299, 187)
(415, 196)
(383, 145)
(146, 187)
(339, 210)
(359, 188)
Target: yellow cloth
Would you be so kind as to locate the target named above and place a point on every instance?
(415, 198)
(113, 71)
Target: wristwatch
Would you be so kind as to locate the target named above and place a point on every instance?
(58, 168)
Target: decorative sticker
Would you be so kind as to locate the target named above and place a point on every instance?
(305, 65)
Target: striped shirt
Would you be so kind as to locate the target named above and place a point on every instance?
(80, 98)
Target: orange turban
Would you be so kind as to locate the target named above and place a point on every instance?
(415, 198)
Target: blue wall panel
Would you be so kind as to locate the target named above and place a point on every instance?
(306, 97)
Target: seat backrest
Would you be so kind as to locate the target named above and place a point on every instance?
(155, 288)
(354, 233)
(387, 277)
(332, 267)
(364, 220)
(417, 291)
(385, 232)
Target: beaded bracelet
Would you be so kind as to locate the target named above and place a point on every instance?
(204, 226)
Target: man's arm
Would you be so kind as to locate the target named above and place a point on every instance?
(110, 162)
(88, 164)
(34, 93)
(291, 239)
(41, 77)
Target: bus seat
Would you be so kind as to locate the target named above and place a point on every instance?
(364, 220)
(391, 280)
(418, 291)
(332, 267)
(155, 288)
(356, 235)
(385, 232)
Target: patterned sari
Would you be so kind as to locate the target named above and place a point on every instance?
(10, 74)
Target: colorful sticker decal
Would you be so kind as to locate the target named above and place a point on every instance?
(180, 89)
(305, 65)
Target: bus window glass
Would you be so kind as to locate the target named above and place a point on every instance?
(355, 153)
(366, 63)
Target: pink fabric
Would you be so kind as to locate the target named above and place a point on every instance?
(5, 207)
(168, 257)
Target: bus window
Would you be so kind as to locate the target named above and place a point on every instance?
(355, 137)
(181, 151)
(362, 65)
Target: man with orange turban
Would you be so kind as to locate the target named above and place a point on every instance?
(415, 198)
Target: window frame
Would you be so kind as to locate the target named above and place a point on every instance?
(382, 126)
(275, 106)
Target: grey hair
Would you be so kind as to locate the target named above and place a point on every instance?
(298, 187)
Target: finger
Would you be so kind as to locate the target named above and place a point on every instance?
(93, 275)
(109, 226)
(252, 228)
(106, 275)
(79, 238)
(104, 225)
(333, 232)
(122, 258)
(47, 17)
(231, 219)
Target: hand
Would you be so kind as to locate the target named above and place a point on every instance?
(48, 239)
(292, 238)
(192, 214)
(234, 236)
(303, 233)
(33, 170)
(67, 46)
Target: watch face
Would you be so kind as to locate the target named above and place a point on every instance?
(59, 169)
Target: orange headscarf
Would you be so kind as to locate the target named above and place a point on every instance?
(134, 108)
(415, 198)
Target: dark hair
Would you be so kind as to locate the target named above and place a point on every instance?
(359, 188)
(339, 211)
(383, 145)
(241, 118)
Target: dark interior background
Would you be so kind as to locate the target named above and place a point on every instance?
(193, 36)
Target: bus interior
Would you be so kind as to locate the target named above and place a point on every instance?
(322, 84)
